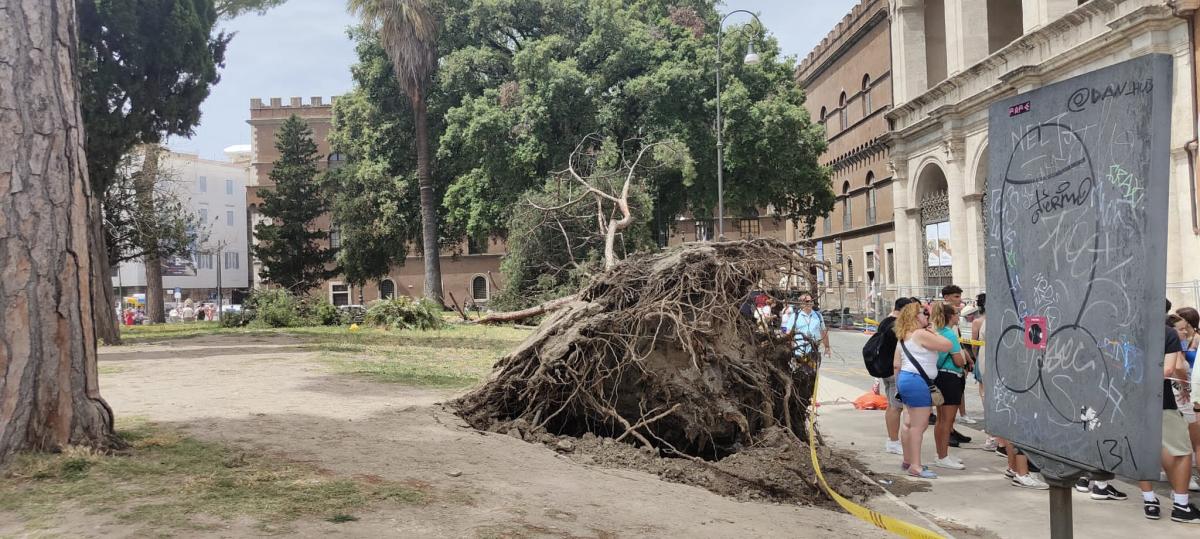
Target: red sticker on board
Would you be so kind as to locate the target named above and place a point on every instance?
(1036, 332)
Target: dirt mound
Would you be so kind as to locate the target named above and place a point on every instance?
(655, 350)
(779, 469)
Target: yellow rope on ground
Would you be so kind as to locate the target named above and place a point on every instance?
(881, 521)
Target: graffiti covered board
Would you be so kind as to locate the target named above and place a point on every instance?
(1076, 263)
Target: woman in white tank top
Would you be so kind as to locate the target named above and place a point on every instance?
(912, 329)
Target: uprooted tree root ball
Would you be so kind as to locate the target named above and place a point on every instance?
(655, 352)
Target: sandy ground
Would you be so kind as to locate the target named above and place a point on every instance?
(269, 395)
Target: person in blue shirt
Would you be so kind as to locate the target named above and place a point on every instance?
(806, 327)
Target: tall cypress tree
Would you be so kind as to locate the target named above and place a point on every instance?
(289, 246)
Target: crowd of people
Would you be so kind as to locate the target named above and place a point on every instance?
(184, 312)
(930, 367)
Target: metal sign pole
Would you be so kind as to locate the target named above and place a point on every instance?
(1060, 509)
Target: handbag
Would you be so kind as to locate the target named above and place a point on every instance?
(934, 392)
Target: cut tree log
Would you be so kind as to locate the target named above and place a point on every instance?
(513, 316)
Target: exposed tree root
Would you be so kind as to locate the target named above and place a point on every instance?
(655, 349)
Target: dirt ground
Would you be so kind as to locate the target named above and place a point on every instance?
(271, 395)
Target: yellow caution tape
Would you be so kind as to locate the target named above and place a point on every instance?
(870, 322)
(971, 342)
(879, 520)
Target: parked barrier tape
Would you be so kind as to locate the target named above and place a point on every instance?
(971, 342)
(879, 520)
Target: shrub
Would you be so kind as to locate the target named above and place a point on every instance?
(275, 308)
(404, 313)
(319, 312)
(352, 314)
(237, 319)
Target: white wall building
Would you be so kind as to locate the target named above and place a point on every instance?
(216, 192)
(953, 58)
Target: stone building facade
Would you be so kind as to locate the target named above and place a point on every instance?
(848, 82)
(953, 59)
(470, 274)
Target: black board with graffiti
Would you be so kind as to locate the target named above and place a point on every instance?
(1076, 256)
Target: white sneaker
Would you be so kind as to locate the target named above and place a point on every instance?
(989, 445)
(956, 460)
(1192, 485)
(968, 420)
(949, 463)
(1029, 481)
(893, 447)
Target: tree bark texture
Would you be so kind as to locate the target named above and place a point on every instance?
(49, 394)
(151, 261)
(429, 214)
(104, 317)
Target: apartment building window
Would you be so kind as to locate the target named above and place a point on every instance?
(335, 160)
(847, 219)
(843, 112)
(229, 187)
(891, 266)
(387, 289)
(202, 184)
(204, 261)
(870, 198)
(866, 95)
(339, 293)
(750, 226)
(335, 237)
(203, 216)
(824, 114)
(233, 260)
(827, 227)
(479, 288)
(850, 271)
(228, 217)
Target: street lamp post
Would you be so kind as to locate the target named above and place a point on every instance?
(220, 246)
(751, 59)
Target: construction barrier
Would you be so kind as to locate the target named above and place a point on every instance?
(879, 520)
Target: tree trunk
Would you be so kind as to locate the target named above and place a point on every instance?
(144, 186)
(513, 316)
(49, 393)
(108, 328)
(429, 215)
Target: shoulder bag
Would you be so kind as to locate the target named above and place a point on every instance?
(934, 392)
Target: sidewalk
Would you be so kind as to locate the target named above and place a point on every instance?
(978, 499)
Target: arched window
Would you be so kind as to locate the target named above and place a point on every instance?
(870, 198)
(479, 288)
(866, 95)
(335, 160)
(850, 271)
(843, 114)
(824, 113)
(387, 289)
(847, 221)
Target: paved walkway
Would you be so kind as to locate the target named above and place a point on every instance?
(979, 498)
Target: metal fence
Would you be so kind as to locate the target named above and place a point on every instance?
(851, 305)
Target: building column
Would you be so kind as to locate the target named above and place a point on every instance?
(976, 252)
(1038, 13)
(908, 46)
(956, 189)
(966, 34)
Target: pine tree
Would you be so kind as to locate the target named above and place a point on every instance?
(289, 246)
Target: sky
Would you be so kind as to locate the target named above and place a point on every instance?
(301, 49)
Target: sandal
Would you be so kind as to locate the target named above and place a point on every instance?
(925, 473)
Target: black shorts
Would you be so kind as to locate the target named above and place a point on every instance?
(952, 386)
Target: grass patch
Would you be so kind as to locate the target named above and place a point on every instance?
(454, 357)
(169, 482)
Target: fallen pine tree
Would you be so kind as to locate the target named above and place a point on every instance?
(655, 351)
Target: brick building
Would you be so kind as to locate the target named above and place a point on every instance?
(848, 82)
(471, 275)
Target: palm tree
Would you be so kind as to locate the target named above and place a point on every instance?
(408, 32)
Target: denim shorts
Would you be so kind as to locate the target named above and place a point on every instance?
(914, 392)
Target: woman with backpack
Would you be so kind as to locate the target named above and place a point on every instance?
(915, 358)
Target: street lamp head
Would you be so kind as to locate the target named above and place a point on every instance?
(751, 56)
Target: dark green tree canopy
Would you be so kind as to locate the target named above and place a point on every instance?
(145, 67)
(289, 246)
